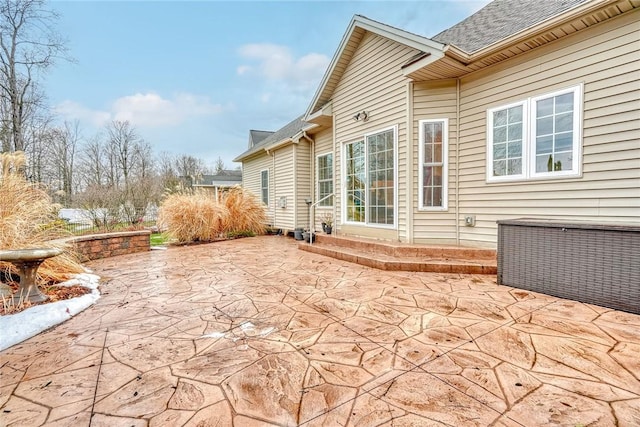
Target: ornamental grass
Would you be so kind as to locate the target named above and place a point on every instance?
(199, 217)
(28, 219)
(244, 212)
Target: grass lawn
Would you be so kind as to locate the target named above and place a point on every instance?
(158, 239)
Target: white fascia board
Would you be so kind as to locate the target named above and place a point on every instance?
(332, 66)
(326, 110)
(421, 63)
(309, 126)
(279, 144)
(412, 40)
(415, 41)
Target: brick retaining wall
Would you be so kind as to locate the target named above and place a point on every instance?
(96, 246)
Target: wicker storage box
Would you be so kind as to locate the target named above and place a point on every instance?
(589, 262)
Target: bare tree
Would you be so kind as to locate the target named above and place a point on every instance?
(61, 152)
(190, 169)
(219, 167)
(92, 163)
(122, 143)
(29, 45)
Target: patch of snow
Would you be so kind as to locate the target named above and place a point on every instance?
(247, 330)
(30, 322)
(247, 326)
(214, 335)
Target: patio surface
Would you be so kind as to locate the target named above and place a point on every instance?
(254, 332)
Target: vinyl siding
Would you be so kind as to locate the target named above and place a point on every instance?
(284, 186)
(323, 144)
(251, 176)
(302, 182)
(606, 59)
(373, 82)
(432, 101)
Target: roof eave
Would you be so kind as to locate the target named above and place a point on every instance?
(465, 58)
(421, 63)
(280, 144)
(248, 154)
(412, 40)
(322, 117)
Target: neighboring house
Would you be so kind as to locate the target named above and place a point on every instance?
(524, 109)
(218, 183)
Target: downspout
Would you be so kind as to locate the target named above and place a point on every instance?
(409, 196)
(457, 199)
(335, 176)
(272, 176)
(295, 184)
(311, 212)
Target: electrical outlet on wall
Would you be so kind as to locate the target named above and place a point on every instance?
(470, 220)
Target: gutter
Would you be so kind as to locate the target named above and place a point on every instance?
(548, 24)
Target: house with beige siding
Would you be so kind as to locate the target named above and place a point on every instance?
(524, 109)
(275, 168)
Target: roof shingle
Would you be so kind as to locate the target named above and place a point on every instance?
(499, 20)
(287, 131)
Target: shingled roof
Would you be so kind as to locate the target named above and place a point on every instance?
(499, 20)
(287, 131)
(257, 136)
(225, 178)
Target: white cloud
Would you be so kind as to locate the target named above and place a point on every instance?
(277, 63)
(144, 109)
(74, 111)
(243, 69)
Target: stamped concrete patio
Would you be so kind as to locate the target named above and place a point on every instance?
(254, 332)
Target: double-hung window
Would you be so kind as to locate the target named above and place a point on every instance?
(264, 186)
(325, 179)
(433, 164)
(537, 138)
(369, 170)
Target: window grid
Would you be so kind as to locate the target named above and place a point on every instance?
(264, 186)
(355, 181)
(433, 158)
(507, 141)
(381, 178)
(537, 138)
(554, 133)
(325, 179)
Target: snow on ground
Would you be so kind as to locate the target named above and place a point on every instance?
(25, 324)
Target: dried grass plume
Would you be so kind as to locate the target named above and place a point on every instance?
(199, 217)
(28, 220)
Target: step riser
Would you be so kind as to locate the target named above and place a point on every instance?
(423, 267)
(409, 251)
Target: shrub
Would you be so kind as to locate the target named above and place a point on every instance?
(199, 216)
(244, 212)
(28, 219)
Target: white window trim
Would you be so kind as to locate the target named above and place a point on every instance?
(525, 151)
(333, 180)
(262, 188)
(528, 139)
(445, 165)
(343, 177)
(576, 164)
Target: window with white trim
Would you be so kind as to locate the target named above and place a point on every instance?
(539, 137)
(325, 179)
(433, 151)
(369, 170)
(264, 186)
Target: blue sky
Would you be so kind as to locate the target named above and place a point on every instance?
(195, 76)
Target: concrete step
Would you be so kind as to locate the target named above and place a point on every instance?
(399, 257)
